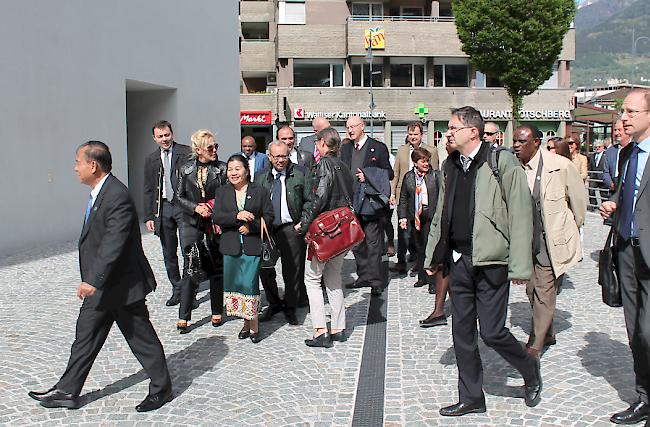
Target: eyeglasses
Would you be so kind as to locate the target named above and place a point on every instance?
(288, 138)
(211, 147)
(454, 129)
(550, 147)
(280, 157)
(631, 113)
(352, 126)
(490, 133)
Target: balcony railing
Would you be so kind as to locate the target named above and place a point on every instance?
(376, 18)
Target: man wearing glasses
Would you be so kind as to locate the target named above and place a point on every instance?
(290, 186)
(630, 206)
(616, 156)
(490, 133)
(483, 257)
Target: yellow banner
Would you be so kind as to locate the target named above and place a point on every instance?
(378, 39)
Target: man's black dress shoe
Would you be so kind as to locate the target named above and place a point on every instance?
(268, 313)
(37, 395)
(637, 412)
(324, 340)
(290, 315)
(55, 398)
(174, 300)
(433, 321)
(339, 336)
(460, 409)
(533, 386)
(155, 401)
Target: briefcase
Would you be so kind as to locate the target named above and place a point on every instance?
(607, 275)
(333, 233)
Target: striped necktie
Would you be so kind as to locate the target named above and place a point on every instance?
(419, 182)
(316, 154)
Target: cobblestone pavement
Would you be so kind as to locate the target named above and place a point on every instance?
(220, 380)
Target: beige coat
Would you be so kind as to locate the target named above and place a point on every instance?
(404, 164)
(563, 204)
(581, 162)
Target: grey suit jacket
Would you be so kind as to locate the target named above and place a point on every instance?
(308, 143)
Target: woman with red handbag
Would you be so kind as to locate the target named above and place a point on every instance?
(197, 183)
(332, 180)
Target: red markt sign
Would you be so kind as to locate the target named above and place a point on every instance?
(255, 118)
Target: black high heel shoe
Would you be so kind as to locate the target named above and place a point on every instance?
(256, 337)
(244, 334)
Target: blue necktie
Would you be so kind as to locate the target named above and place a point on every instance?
(276, 194)
(90, 206)
(627, 204)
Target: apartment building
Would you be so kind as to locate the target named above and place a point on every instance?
(303, 58)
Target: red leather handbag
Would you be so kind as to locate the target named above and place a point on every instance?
(334, 232)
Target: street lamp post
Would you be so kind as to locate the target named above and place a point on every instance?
(369, 59)
(634, 41)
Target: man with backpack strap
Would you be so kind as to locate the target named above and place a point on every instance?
(483, 240)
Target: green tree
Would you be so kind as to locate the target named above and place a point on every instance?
(516, 41)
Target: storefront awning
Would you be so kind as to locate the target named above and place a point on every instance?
(585, 113)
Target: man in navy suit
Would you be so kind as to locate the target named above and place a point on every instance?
(615, 156)
(365, 152)
(116, 278)
(256, 161)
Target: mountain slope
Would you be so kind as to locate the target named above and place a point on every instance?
(592, 13)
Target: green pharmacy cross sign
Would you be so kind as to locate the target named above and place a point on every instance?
(421, 111)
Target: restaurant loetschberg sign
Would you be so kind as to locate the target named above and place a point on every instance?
(527, 115)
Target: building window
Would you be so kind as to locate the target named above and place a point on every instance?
(292, 12)
(412, 11)
(255, 30)
(374, 11)
(437, 138)
(407, 75)
(451, 75)
(362, 79)
(317, 75)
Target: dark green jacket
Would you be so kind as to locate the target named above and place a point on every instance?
(299, 185)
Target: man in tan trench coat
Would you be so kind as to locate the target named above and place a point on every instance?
(559, 206)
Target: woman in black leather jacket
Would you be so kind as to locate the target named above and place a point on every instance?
(197, 184)
(329, 175)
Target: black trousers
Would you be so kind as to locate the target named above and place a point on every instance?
(481, 292)
(170, 224)
(93, 327)
(293, 249)
(634, 275)
(189, 289)
(368, 254)
(420, 239)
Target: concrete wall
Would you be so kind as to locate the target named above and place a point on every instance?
(64, 72)
(257, 56)
(257, 11)
(312, 41)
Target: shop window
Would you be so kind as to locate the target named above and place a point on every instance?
(317, 75)
(362, 79)
(437, 138)
(373, 11)
(292, 12)
(406, 75)
(456, 75)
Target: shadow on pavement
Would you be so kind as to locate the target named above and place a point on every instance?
(191, 362)
(611, 360)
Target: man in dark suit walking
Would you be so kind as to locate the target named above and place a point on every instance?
(116, 278)
(365, 152)
(291, 189)
(160, 214)
(631, 204)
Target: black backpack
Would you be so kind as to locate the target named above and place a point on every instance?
(493, 163)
